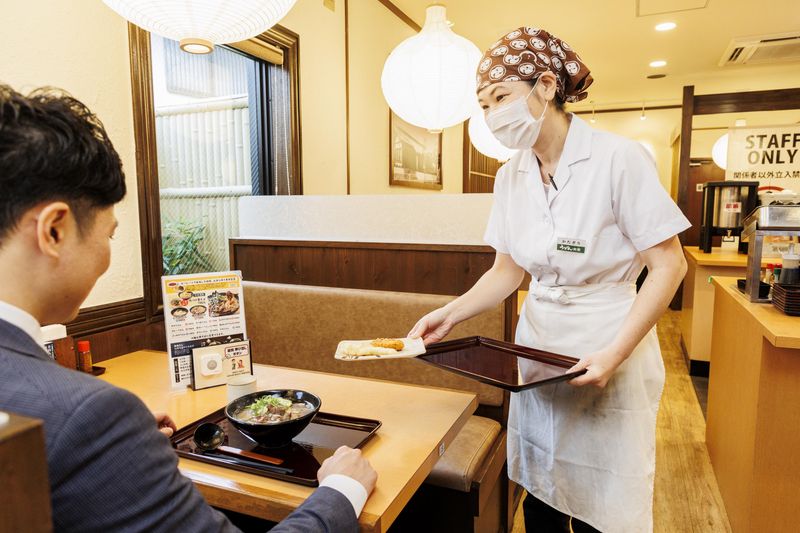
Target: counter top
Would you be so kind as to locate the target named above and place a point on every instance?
(720, 257)
(783, 331)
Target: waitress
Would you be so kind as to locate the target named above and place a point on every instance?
(583, 212)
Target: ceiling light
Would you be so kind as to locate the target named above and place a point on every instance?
(200, 24)
(643, 117)
(658, 63)
(592, 120)
(666, 26)
(196, 46)
(429, 79)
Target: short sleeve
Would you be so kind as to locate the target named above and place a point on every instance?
(644, 211)
(496, 235)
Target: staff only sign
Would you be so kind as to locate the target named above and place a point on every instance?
(770, 156)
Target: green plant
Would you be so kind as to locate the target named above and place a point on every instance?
(180, 243)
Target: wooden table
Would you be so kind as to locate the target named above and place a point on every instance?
(698, 299)
(419, 423)
(753, 422)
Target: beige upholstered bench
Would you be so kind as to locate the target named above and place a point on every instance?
(300, 326)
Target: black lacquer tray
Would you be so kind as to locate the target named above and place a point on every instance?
(300, 460)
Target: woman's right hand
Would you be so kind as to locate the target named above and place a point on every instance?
(433, 327)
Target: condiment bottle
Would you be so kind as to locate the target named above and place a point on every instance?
(790, 273)
(84, 357)
(769, 273)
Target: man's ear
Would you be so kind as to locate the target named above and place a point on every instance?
(52, 226)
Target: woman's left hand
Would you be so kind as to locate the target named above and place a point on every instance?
(600, 366)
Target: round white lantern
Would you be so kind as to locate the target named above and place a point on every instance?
(484, 140)
(429, 79)
(719, 152)
(200, 24)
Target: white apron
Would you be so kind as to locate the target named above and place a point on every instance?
(588, 452)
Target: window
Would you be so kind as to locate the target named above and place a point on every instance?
(209, 136)
(209, 129)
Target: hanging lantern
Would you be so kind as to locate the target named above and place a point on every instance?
(429, 79)
(484, 140)
(200, 24)
(719, 152)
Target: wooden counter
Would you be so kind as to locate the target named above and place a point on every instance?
(698, 299)
(753, 424)
(419, 423)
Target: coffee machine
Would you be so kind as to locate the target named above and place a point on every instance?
(725, 204)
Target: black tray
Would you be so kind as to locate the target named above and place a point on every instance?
(498, 363)
(301, 459)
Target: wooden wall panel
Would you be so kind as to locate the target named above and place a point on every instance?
(431, 269)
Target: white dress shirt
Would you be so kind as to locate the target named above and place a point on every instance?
(21, 319)
(349, 487)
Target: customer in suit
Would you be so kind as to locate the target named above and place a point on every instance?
(110, 467)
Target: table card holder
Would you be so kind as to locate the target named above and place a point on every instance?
(203, 310)
(213, 366)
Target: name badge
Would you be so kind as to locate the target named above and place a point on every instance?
(575, 246)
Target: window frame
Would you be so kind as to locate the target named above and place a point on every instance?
(144, 126)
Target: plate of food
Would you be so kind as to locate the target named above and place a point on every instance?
(384, 348)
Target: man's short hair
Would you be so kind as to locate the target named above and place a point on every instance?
(52, 148)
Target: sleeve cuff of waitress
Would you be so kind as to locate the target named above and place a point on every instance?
(354, 491)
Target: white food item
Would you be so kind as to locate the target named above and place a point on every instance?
(358, 349)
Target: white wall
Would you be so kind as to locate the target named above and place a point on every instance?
(322, 94)
(396, 218)
(82, 47)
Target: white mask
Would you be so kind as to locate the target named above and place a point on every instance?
(514, 126)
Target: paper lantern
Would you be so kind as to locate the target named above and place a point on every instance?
(429, 79)
(484, 140)
(200, 24)
(719, 152)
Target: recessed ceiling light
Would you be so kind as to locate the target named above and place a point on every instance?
(666, 26)
(658, 63)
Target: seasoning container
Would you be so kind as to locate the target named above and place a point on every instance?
(769, 273)
(84, 357)
(790, 273)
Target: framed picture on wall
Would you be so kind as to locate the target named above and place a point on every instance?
(415, 155)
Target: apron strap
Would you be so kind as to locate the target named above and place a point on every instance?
(567, 294)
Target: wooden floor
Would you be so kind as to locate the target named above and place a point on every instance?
(686, 495)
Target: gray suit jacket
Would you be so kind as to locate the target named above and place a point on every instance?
(110, 468)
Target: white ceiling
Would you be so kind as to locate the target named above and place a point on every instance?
(618, 45)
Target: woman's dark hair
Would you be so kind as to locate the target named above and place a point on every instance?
(558, 101)
(53, 148)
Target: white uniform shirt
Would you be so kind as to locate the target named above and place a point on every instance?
(608, 206)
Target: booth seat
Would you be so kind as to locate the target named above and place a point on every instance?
(300, 326)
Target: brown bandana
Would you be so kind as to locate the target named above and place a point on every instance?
(525, 53)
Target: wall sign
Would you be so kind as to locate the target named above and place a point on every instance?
(769, 155)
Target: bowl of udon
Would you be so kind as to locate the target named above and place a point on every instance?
(272, 418)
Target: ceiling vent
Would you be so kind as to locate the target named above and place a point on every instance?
(762, 50)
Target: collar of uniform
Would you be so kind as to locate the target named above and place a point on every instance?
(577, 146)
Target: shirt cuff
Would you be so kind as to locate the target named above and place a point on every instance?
(352, 490)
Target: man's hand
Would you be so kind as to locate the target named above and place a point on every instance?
(165, 424)
(349, 462)
(600, 366)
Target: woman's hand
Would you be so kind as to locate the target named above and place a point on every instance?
(165, 424)
(433, 327)
(600, 366)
